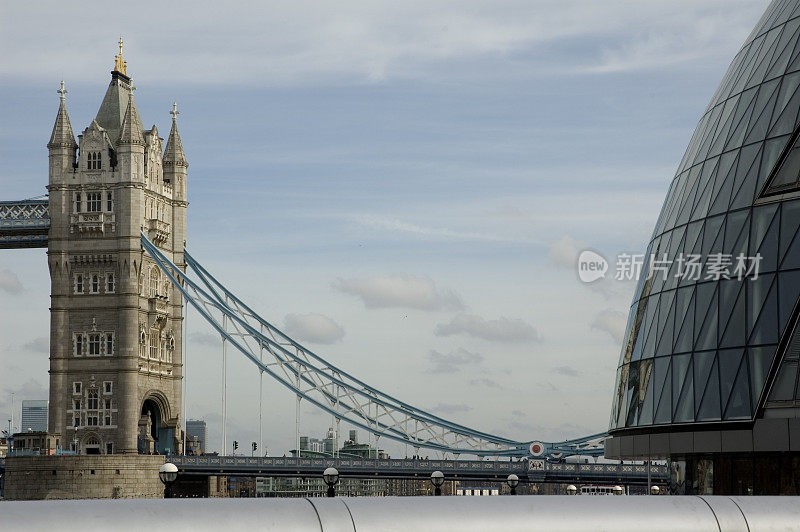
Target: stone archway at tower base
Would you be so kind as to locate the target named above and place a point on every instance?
(83, 477)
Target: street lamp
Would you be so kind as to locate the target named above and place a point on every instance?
(572, 490)
(513, 482)
(655, 490)
(437, 479)
(167, 473)
(331, 477)
(618, 490)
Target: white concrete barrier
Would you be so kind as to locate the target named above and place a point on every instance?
(463, 514)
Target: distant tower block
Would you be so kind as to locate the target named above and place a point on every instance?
(115, 355)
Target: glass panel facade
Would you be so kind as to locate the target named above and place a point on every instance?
(700, 348)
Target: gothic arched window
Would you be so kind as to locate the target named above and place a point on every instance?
(93, 401)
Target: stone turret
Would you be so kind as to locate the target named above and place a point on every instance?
(62, 145)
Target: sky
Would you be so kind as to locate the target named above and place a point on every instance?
(402, 186)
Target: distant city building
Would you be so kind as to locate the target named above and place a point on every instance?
(350, 448)
(34, 416)
(197, 434)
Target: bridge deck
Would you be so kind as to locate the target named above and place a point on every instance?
(532, 470)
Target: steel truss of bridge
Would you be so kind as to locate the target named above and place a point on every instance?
(487, 470)
(24, 224)
(332, 390)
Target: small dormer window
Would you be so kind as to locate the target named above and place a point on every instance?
(94, 160)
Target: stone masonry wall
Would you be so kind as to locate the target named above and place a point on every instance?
(83, 477)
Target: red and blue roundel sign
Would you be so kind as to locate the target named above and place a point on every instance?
(536, 448)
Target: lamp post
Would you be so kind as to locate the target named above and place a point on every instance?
(331, 477)
(437, 479)
(513, 482)
(167, 473)
(618, 490)
(655, 490)
(572, 490)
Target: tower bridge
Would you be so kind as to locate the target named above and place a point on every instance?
(114, 225)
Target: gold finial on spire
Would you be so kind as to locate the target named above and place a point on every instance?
(120, 65)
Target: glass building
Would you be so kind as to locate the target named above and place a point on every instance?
(34, 416)
(708, 374)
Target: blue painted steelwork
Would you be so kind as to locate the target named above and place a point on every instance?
(332, 389)
(24, 224)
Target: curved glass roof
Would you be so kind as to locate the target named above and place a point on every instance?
(700, 348)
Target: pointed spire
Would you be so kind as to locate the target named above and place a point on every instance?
(62, 130)
(131, 129)
(173, 153)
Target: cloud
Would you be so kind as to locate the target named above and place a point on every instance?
(484, 381)
(372, 42)
(315, 328)
(500, 330)
(567, 371)
(437, 233)
(400, 291)
(205, 339)
(38, 345)
(452, 361)
(518, 413)
(611, 321)
(449, 408)
(9, 282)
(564, 252)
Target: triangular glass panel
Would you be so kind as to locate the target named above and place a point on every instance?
(738, 404)
(733, 326)
(651, 317)
(691, 192)
(760, 359)
(729, 362)
(763, 311)
(741, 118)
(788, 290)
(709, 409)
(764, 239)
(664, 346)
(746, 176)
(700, 208)
(769, 160)
(712, 236)
(790, 243)
(646, 388)
(705, 311)
(721, 195)
(724, 129)
(703, 360)
(785, 382)
(664, 405)
(684, 409)
(713, 123)
(684, 319)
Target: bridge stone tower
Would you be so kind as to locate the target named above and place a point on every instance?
(116, 322)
